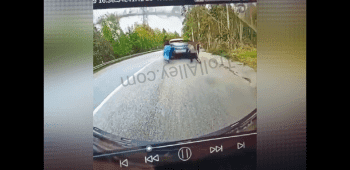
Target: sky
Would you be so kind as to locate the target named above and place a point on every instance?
(171, 24)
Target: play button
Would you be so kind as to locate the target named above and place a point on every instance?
(125, 163)
(240, 145)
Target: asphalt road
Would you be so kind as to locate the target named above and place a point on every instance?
(107, 79)
(175, 101)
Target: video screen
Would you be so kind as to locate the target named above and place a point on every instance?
(166, 76)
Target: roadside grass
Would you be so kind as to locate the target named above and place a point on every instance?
(247, 58)
(246, 55)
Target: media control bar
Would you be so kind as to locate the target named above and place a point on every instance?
(151, 156)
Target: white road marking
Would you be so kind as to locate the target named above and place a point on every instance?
(118, 88)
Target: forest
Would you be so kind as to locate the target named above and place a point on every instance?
(224, 31)
(111, 42)
(220, 29)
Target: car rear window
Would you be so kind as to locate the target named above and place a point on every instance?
(177, 41)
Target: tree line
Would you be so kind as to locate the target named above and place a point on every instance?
(111, 42)
(223, 30)
(218, 25)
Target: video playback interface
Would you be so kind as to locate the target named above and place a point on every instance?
(174, 83)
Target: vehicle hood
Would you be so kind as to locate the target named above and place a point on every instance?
(121, 143)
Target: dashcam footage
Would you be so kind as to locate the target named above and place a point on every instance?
(171, 73)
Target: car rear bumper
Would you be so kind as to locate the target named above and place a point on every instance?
(184, 55)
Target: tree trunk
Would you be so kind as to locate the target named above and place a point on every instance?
(241, 32)
(228, 26)
(241, 18)
(250, 30)
(219, 28)
(209, 36)
(192, 35)
(199, 35)
(251, 34)
(221, 31)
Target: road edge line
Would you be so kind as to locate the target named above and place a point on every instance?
(116, 89)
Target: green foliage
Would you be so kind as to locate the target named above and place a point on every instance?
(111, 21)
(219, 24)
(247, 55)
(218, 33)
(142, 38)
(218, 29)
(123, 46)
(102, 49)
(107, 34)
(176, 34)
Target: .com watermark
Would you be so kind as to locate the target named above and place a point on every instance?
(184, 70)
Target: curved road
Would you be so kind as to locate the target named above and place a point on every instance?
(107, 79)
(175, 101)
